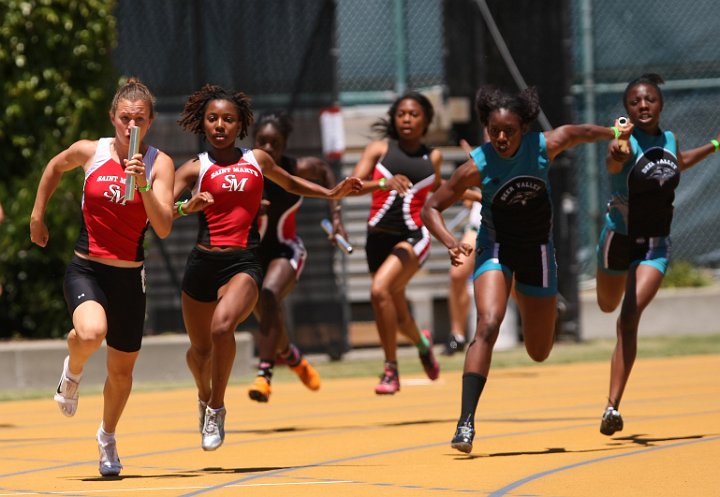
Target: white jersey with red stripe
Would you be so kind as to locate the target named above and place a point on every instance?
(394, 213)
(112, 227)
(230, 221)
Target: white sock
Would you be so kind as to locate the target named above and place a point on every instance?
(103, 436)
(66, 371)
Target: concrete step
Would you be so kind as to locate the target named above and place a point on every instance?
(34, 365)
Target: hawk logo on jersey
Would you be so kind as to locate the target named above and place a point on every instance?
(658, 164)
(520, 191)
(232, 184)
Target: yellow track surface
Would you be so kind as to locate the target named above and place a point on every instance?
(537, 436)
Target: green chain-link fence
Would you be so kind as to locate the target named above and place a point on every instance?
(386, 46)
(307, 54)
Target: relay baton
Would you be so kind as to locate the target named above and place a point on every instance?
(132, 150)
(461, 216)
(622, 142)
(342, 243)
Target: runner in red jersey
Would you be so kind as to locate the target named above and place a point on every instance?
(403, 170)
(283, 254)
(105, 281)
(223, 275)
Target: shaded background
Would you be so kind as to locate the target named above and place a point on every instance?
(306, 55)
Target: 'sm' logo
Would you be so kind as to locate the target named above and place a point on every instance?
(232, 184)
(114, 194)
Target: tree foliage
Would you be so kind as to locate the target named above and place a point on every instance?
(56, 83)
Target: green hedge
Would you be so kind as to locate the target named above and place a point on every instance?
(682, 274)
(56, 84)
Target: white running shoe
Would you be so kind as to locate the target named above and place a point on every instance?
(66, 394)
(109, 460)
(202, 406)
(213, 433)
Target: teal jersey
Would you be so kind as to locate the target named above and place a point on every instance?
(516, 204)
(643, 192)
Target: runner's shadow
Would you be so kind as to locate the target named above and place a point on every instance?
(270, 431)
(190, 474)
(548, 451)
(417, 422)
(635, 439)
(645, 441)
(534, 420)
(136, 477)
(296, 429)
(226, 471)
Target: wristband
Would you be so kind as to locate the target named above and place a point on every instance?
(616, 131)
(382, 184)
(146, 188)
(180, 209)
(716, 144)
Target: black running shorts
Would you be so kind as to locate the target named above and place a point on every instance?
(120, 291)
(207, 271)
(380, 244)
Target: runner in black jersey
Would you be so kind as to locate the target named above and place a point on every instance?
(402, 171)
(514, 244)
(634, 247)
(283, 254)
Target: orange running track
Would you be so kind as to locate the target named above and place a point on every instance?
(537, 436)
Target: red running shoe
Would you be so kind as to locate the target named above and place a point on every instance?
(389, 381)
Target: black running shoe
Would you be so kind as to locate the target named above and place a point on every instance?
(611, 421)
(455, 343)
(463, 438)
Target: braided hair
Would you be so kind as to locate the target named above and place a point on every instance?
(526, 104)
(132, 91)
(193, 114)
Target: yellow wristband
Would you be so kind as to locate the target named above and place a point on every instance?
(616, 131)
(716, 143)
(382, 184)
(146, 188)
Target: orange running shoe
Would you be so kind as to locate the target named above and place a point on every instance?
(307, 374)
(260, 389)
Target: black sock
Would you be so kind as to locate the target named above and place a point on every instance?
(292, 355)
(392, 364)
(472, 387)
(265, 369)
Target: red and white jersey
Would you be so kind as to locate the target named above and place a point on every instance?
(389, 210)
(279, 224)
(237, 190)
(112, 228)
